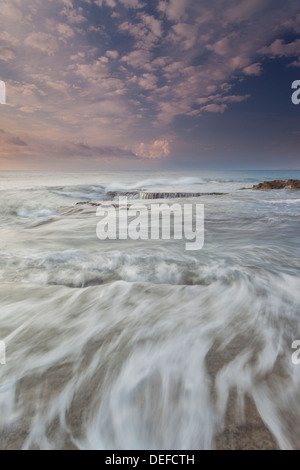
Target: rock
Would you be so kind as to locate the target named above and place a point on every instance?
(132, 195)
(150, 195)
(276, 184)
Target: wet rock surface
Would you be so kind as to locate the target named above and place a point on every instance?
(114, 195)
(276, 184)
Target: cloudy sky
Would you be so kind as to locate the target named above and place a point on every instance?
(121, 84)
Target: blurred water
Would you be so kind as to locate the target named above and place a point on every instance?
(143, 345)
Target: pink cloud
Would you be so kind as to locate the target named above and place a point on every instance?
(174, 9)
(254, 69)
(6, 53)
(112, 54)
(47, 43)
(282, 49)
(243, 10)
(156, 150)
(94, 71)
(214, 108)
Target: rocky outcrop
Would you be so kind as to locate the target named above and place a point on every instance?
(97, 204)
(276, 184)
(111, 195)
(131, 195)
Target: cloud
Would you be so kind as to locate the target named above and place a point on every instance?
(43, 41)
(109, 3)
(74, 16)
(6, 53)
(130, 72)
(94, 71)
(132, 3)
(234, 98)
(112, 54)
(137, 59)
(296, 63)
(147, 81)
(58, 85)
(10, 10)
(244, 10)
(174, 9)
(158, 149)
(147, 31)
(253, 69)
(214, 108)
(222, 47)
(11, 143)
(279, 48)
(64, 150)
(217, 99)
(135, 4)
(292, 24)
(65, 31)
(9, 38)
(71, 149)
(154, 25)
(185, 35)
(29, 109)
(78, 56)
(67, 3)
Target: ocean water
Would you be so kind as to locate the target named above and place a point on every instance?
(123, 344)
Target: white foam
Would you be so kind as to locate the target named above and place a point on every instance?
(149, 183)
(32, 214)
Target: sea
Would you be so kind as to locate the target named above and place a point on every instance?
(140, 344)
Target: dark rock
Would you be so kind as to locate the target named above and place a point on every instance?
(131, 195)
(276, 184)
(151, 195)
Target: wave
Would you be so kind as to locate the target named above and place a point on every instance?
(283, 201)
(29, 214)
(140, 344)
(121, 357)
(148, 183)
(86, 192)
(82, 268)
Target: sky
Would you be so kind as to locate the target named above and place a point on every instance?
(157, 84)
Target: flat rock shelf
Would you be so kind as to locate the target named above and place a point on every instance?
(113, 195)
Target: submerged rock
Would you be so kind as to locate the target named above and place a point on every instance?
(276, 184)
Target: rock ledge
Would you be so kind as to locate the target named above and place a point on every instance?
(276, 184)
